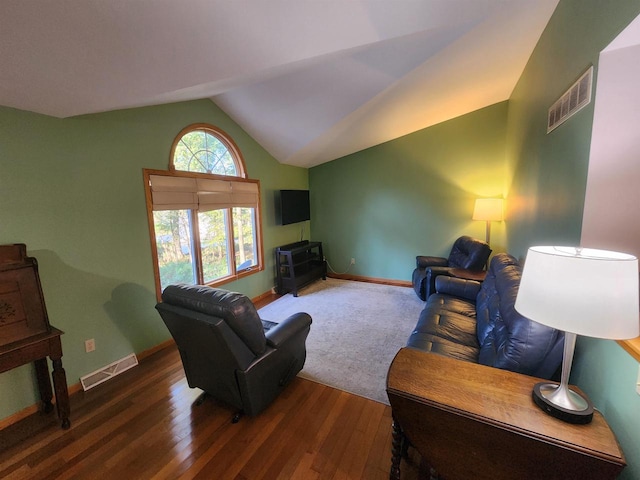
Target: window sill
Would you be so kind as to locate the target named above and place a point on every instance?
(222, 281)
(232, 278)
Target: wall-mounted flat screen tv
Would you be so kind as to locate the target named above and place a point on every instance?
(293, 206)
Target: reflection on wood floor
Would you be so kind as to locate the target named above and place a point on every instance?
(143, 424)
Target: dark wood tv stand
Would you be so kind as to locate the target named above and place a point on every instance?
(298, 264)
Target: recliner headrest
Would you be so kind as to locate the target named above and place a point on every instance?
(235, 309)
(469, 253)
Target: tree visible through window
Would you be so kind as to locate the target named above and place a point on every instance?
(201, 151)
(203, 213)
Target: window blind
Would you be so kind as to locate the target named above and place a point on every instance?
(181, 193)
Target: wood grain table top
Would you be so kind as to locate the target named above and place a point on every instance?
(497, 397)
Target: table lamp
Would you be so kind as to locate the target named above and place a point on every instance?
(489, 210)
(582, 292)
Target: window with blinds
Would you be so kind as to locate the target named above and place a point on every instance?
(204, 223)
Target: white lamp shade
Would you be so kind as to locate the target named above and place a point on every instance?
(583, 291)
(489, 209)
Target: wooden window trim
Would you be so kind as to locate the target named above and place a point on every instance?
(241, 177)
(154, 250)
(632, 347)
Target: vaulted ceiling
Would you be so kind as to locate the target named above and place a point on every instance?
(310, 80)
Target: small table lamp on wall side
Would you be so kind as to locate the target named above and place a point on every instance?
(580, 291)
(489, 210)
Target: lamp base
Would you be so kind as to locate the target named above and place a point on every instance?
(577, 409)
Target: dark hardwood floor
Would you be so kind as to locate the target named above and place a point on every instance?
(143, 424)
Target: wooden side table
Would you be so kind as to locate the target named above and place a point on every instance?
(36, 349)
(473, 421)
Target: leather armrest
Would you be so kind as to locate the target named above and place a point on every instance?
(458, 287)
(424, 261)
(434, 271)
(279, 334)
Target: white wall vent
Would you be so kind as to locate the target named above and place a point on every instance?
(577, 97)
(110, 371)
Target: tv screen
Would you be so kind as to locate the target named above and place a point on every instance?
(294, 206)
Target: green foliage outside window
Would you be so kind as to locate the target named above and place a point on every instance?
(173, 242)
(244, 238)
(214, 244)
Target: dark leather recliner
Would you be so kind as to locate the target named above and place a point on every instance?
(227, 350)
(467, 253)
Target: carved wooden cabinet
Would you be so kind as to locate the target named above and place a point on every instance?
(22, 309)
(25, 333)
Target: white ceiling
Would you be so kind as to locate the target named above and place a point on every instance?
(310, 80)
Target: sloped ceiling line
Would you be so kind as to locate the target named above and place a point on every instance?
(311, 81)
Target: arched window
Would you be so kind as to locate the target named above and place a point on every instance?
(205, 149)
(203, 212)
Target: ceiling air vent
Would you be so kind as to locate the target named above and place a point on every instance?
(110, 371)
(578, 96)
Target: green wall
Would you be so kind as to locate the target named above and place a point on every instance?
(72, 191)
(546, 198)
(549, 171)
(410, 196)
(414, 195)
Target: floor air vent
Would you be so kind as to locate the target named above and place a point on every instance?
(110, 371)
(577, 97)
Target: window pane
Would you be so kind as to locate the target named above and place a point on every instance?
(213, 243)
(173, 241)
(244, 237)
(200, 151)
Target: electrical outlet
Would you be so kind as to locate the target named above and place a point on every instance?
(89, 345)
(353, 261)
(638, 383)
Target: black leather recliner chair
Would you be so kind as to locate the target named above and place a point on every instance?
(467, 253)
(228, 351)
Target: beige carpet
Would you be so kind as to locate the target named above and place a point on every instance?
(357, 330)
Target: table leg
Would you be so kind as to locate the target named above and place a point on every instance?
(433, 475)
(62, 393)
(398, 445)
(44, 384)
